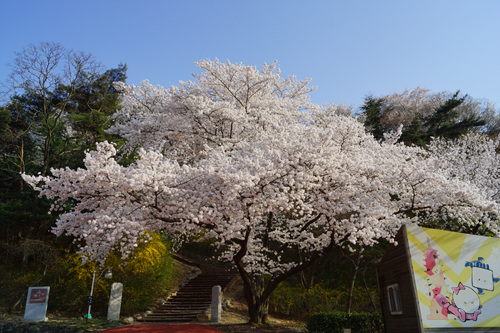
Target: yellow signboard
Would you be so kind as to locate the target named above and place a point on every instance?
(456, 277)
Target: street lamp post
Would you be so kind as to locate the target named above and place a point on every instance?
(107, 275)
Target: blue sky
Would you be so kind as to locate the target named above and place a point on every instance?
(350, 49)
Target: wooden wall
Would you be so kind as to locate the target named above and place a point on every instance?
(394, 268)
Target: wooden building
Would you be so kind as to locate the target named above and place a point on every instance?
(440, 281)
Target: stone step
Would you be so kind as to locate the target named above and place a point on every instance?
(181, 308)
(169, 305)
(187, 305)
(175, 313)
(192, 299)
(193, 296)
(205, 291)
(211, 277)
(202, 286)
(179, 319)
(202, 290)
(182, 302)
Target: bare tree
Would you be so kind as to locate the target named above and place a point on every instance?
(47, 75)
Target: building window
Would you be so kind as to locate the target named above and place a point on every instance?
(394, 296)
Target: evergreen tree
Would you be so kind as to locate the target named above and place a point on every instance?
(414, 133)
(445, 122)
(372, 111)
(90, 111)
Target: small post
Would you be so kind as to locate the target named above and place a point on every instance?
(108, 275)
(216, 308)
(89, 298)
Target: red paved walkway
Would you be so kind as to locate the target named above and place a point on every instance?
(163, 328)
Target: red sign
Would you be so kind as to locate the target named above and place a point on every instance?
(38, 295)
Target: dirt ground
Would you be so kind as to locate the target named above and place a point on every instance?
(235, 319)
(242, 328)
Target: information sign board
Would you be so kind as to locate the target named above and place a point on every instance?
(36, 304)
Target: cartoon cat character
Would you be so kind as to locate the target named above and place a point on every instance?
(465, 304)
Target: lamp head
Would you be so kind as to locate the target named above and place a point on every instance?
(108, 274)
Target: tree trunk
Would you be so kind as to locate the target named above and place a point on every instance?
(256, 289)
(307, 282)
(351, 290)
(258, 307)
(258, 312)
(369, 294)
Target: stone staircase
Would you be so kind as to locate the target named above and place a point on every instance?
(194, 297)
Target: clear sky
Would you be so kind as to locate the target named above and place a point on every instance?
(350, 49)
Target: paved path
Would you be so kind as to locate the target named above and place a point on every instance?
(163, 328)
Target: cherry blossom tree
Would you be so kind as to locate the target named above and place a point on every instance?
(242, 156)
(226, 104)
(474, 158)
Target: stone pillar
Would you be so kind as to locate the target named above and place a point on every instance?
(216, 306)
(115, 301)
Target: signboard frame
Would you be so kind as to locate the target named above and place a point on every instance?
(444, 267)
(36, 304)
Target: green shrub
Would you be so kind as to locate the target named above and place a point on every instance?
(335, 322)
(148, 274)
(299, 302)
